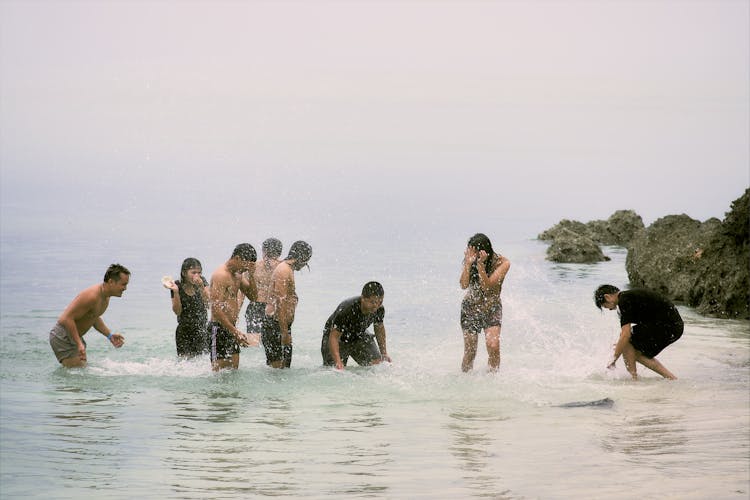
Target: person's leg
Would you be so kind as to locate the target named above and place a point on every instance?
(629, 355)
(655, 365)
(286, 356)
(364, 351)
(73, 362)
(272, 343)
(222, 363)
(470, 350)
(492, 339)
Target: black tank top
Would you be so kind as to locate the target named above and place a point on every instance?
(194, 313)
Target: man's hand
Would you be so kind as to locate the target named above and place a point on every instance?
(82, 352)
(117, 340)
(242, 339)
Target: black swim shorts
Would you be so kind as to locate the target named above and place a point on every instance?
(271, 339)
(363, 349)
(254, 315)
(222, 343)
(651, 338)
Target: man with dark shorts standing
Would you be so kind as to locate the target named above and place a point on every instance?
(281, 306)
(66, 337)
(226, 282)
(649, 323)
(345, 333)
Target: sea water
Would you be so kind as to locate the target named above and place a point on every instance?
(139, 423)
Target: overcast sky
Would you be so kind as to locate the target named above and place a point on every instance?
(383, 111)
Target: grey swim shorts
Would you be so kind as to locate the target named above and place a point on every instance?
(61, 343)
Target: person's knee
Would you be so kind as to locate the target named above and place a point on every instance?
(72, 362)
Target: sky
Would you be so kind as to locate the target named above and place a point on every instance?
(246, 116)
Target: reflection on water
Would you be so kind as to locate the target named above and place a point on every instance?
(226, 443)
(474, 446)
(357, 448)
(211, 447)
(83, 432)
(643, 436)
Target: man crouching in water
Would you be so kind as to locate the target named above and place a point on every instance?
(224, 339)
(649, 323)
(66, 337)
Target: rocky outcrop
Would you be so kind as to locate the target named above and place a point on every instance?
(703, 264)
(665, 257)
(621, 227)
(574, 241)
(571, 247)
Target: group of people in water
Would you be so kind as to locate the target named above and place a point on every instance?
(649, 321)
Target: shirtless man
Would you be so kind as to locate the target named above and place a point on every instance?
(282, 302)
(66, 337)
(226, 282)
(256, 310)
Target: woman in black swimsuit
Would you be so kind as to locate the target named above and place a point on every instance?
(190, 305)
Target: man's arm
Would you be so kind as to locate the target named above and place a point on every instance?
(380, 338)
(115, 339)
(333, 343)
(218, 292)
(282, 291)
(248, 285)
(621, 343)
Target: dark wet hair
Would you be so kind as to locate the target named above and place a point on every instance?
(187, 264)
(601, 292)
(481, 242)
(301, 251)
(246, 252)
(272, 247)
(373, 289)
(114, 271)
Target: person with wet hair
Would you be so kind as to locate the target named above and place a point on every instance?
(85, 311)
(281, 306)
(190, 302)
(649, 322)
(345, 333)
(482, 277)
(235, 275)
(256, 309)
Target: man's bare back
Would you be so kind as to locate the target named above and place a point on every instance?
(263, 273)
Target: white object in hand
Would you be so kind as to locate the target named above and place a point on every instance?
(167, 281)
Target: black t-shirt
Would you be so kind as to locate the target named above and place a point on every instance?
(349, 319)
(644, 306)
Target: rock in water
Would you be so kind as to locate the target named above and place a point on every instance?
(703, 264)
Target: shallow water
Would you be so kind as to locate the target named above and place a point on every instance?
(139, 423)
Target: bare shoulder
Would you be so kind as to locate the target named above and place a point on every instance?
(90, 295)
(282, 272)
(85, 301)
(220, 275)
